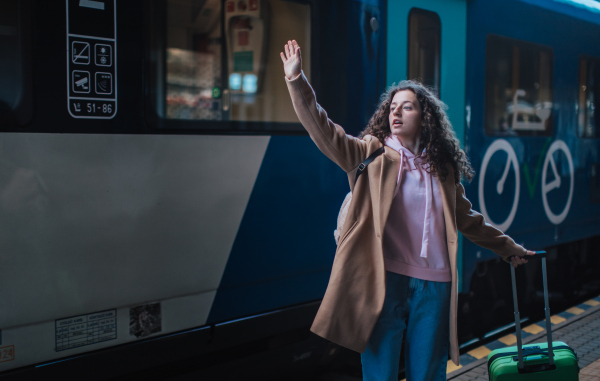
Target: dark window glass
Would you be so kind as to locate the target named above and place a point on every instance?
(15, 78)
(424, 44)
(218, 67)
(518, 88)
(589, 97)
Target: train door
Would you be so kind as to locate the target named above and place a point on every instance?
(426, 40)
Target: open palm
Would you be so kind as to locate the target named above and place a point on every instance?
(292, 60)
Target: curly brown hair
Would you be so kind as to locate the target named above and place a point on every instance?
(437, 135)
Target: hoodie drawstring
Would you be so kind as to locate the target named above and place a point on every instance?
(428, 200)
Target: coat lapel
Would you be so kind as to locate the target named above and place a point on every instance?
(389, 178)
(449, 201)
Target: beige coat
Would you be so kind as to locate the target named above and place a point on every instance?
(354, 297)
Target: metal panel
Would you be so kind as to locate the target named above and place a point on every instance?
(92, 222)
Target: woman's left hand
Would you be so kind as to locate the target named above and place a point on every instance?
(516, 261)
(292, 60)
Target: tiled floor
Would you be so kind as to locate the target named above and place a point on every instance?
(583, 335)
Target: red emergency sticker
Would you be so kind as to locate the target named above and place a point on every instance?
(7, 353)
(243, 38)
(253, 5)
(230, 6)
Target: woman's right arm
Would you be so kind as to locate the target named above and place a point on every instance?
(345, 150)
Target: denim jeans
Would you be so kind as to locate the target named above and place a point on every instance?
(422, 308)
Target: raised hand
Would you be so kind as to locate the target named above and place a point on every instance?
(292, 61)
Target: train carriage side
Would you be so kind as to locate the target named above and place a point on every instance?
(161, 207)
(532, 136)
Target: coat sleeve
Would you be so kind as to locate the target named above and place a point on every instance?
(473, 226)
(345, 150)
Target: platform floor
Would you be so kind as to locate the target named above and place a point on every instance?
(579, 327)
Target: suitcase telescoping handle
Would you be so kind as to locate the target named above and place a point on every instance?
(542, 255)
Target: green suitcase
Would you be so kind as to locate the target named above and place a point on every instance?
(534, 362)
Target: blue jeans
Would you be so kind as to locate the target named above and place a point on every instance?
(422, 308)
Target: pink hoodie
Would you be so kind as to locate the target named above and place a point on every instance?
(414, 238)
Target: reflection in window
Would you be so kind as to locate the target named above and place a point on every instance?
(222, 61)
(518, 93)
(250, 83)
(589, 95)
(15, 77)
(424, 34)
(9, 53)
(235, 81)
(194, 55)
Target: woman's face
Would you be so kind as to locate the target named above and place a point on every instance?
(405, 116)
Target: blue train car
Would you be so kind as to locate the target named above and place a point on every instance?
(532, 135)
(520, 80)
(164, 213)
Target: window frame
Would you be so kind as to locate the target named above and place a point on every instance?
(155, 41)
(517, 42)
(22, 114)
(580, 127)
(415, 10)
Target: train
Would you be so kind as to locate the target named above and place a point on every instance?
(163, 212)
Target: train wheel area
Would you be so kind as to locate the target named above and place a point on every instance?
(577, 326)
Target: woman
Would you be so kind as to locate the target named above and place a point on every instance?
(395, 265)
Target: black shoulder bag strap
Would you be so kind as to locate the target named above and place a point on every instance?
(362, 166)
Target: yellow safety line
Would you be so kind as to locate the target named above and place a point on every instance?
(533, 329)
(575, 310)
(592, 302)
(451, 367)
(509, 339)
(480, 352)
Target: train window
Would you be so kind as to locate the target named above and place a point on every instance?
(518, 88)
(217, 66)
(15, 54)
(424, 44)
(589, 97)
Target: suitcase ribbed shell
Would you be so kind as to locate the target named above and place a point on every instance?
(503, 363)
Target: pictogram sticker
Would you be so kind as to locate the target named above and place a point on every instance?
(91, 58)
(80, 52)
(103, 83)
(81, 81)
(103, 54)
(7, 353)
